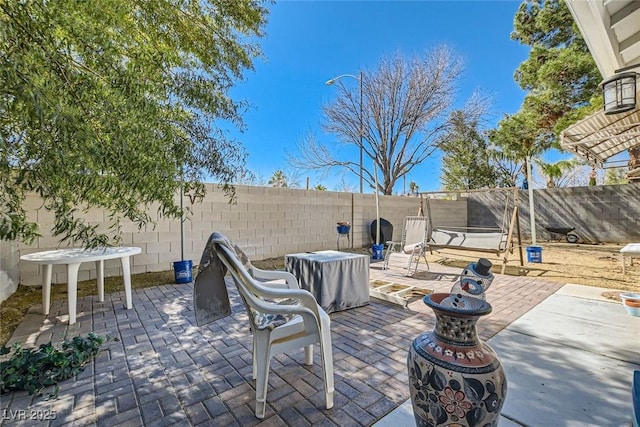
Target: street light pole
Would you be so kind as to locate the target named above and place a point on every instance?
(361, 131)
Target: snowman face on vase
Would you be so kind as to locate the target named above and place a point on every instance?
(476, 282)
(472, 286)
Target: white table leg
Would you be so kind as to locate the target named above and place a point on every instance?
(46, 288)
(126, 275)
(72, 290)
(100, 279)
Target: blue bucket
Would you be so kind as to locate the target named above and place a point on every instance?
(534, 254)
(182, 270)
(344, 229)
(376, 251)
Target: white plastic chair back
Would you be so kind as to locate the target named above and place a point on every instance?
(282, 320)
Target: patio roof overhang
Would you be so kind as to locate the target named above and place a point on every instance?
(598, 137)
(611, 30)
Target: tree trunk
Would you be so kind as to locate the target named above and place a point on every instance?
(634, 163)
(634, 157)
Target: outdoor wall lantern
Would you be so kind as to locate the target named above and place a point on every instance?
(619, 93)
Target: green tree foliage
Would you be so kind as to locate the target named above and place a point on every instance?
(320, 187)
(465, 164)
(507, 167)
(560, 76)
(515, 139)
(615, 176)
(593, 177)
(557, 173)
(560, 73)
(279, 179)
(413, 187)
(519, 135)
(114, 105)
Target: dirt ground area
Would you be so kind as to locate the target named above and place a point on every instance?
(584, 264)
(590, 265)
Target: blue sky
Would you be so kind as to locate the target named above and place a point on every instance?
(309, 42)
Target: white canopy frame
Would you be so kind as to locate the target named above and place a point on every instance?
(598, 137)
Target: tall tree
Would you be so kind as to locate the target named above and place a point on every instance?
(507, 167)
(560, 76)
(279, 179)
(246, 177)
(615, 176)
(559, 173)
(413, 187)
(466, 160)
(114, 106)
(516, 139)
(404, 108)
(634, 157)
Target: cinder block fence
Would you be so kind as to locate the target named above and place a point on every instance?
(271, 222)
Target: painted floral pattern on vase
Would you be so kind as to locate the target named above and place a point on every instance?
(455, 379)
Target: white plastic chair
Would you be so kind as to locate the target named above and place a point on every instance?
(406, 254)
(295, 321)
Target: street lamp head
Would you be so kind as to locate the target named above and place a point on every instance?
(335, 79)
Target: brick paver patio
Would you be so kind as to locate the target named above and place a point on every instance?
(167, 371)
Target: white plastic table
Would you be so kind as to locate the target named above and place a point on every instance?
(73, 257)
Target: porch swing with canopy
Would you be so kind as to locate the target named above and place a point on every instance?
(498, 240)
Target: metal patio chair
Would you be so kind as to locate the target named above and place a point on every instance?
(405, 255)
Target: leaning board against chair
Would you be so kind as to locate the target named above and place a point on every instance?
(282, 316)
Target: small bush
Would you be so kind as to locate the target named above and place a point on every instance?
(34, 370)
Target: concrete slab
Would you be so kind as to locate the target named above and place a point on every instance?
(581, 291)
(569, 362)
(402, 416)
(600, 327)
(553, 385)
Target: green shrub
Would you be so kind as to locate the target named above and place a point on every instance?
(34, 369)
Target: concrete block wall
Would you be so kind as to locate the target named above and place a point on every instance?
(267, 222)
(487, 209)
(271, 222)
(448, 213)
(9, 263)
(603, 213)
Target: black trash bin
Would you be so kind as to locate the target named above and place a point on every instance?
(386, 231)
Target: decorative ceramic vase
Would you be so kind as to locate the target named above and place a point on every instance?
(455, 379)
